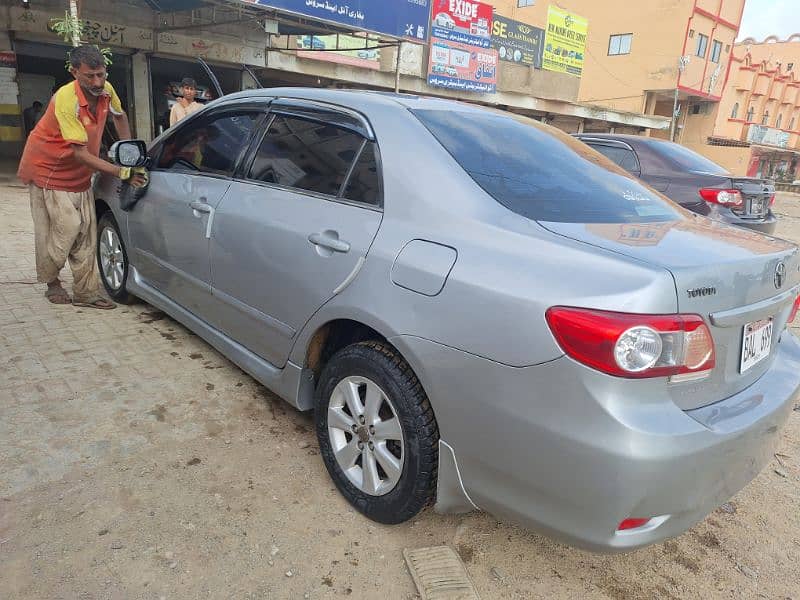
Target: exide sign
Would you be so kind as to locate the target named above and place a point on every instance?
(464, 10)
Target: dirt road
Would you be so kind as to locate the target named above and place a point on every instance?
(136, 462)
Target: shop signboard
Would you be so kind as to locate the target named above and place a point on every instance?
(407, 19)
(461, 56)
(361, 52)
(517, 42)
(96, 32)
(462, 21)
(462, 67)
(565, 42)
(210, 49)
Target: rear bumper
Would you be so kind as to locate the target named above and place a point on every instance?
(571, 452)
(766, 225)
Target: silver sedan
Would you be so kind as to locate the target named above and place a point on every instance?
(482, 312)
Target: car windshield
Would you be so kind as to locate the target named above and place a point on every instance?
(688, 159)
(542, 173)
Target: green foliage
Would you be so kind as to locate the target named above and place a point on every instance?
(70, 28)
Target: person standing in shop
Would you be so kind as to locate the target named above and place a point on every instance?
(185, 105)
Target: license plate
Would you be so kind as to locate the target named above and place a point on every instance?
(757, 206)
(756, 343)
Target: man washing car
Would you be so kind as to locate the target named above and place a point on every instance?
(60, 156)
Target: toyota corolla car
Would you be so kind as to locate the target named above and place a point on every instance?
(482, 312)
(691, 180)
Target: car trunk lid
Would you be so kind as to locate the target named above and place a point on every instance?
(757, 195)
(730, 276)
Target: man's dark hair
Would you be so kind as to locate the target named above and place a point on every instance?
(86, 55)
(37, 104)
(188, 82)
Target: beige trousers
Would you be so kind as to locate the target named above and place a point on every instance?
(64, 229)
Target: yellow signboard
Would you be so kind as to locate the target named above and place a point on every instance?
(565, 42)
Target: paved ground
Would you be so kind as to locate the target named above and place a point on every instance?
(136, 462)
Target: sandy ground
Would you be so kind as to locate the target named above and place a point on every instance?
(136, 462)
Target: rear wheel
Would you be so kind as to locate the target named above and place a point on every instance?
(377, 432)
(112, 259)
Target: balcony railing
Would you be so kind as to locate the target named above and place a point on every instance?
(767, 136)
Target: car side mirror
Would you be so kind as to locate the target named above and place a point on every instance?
(128, 153)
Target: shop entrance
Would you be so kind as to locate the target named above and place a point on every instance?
(166, 75)
(41, 70)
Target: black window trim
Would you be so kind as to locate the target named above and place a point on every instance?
(246, 162)
(248, 105)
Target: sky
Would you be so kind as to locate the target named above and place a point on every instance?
(767, 17)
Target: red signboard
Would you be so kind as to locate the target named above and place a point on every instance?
(461, 67)
(462, 21)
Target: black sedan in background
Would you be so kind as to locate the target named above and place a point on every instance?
(690, 179)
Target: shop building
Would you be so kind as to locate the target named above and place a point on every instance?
(250, 45)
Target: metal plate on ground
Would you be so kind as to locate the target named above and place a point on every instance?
(439, 574)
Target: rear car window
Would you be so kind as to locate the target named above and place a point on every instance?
(687, 159)
(307, 155)
(623, 157)
(542, 173)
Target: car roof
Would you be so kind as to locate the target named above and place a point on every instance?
(363, 100)
(633, 140)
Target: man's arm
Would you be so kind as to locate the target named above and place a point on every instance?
(122, 125)
(95, 163)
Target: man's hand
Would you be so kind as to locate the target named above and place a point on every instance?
(140, 178)
(135, 176)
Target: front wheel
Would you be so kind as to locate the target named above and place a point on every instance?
(377, 432)
(112, 259)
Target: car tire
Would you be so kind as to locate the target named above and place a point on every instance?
(112, 259)
(407, 484)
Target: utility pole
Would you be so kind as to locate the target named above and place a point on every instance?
(397, 68)
(682, 62)
(73, 13)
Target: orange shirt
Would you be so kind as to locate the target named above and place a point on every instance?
(49, 159)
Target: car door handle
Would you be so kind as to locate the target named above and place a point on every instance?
(200, 208)
(327, 240)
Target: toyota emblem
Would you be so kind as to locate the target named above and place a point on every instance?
(780, 275)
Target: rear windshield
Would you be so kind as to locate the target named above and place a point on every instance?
(688, 159)
(542, 173)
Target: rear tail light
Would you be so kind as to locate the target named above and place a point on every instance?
(632, 523)
(795, 308)
(729, 198)
(634, 345)
(772, 200)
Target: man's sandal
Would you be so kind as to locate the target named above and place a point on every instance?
(100, 303)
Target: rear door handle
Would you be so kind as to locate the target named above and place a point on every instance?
(200, 208)
(329, 240)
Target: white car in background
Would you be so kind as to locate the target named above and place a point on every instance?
(444, 20)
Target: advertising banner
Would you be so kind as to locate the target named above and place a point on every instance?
(462, 67)
(462, 21)
(565, 42)
(517, 42)
(358, 56)
(407, 19)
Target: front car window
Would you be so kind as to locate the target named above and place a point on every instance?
(210, 145)
(542, 173)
